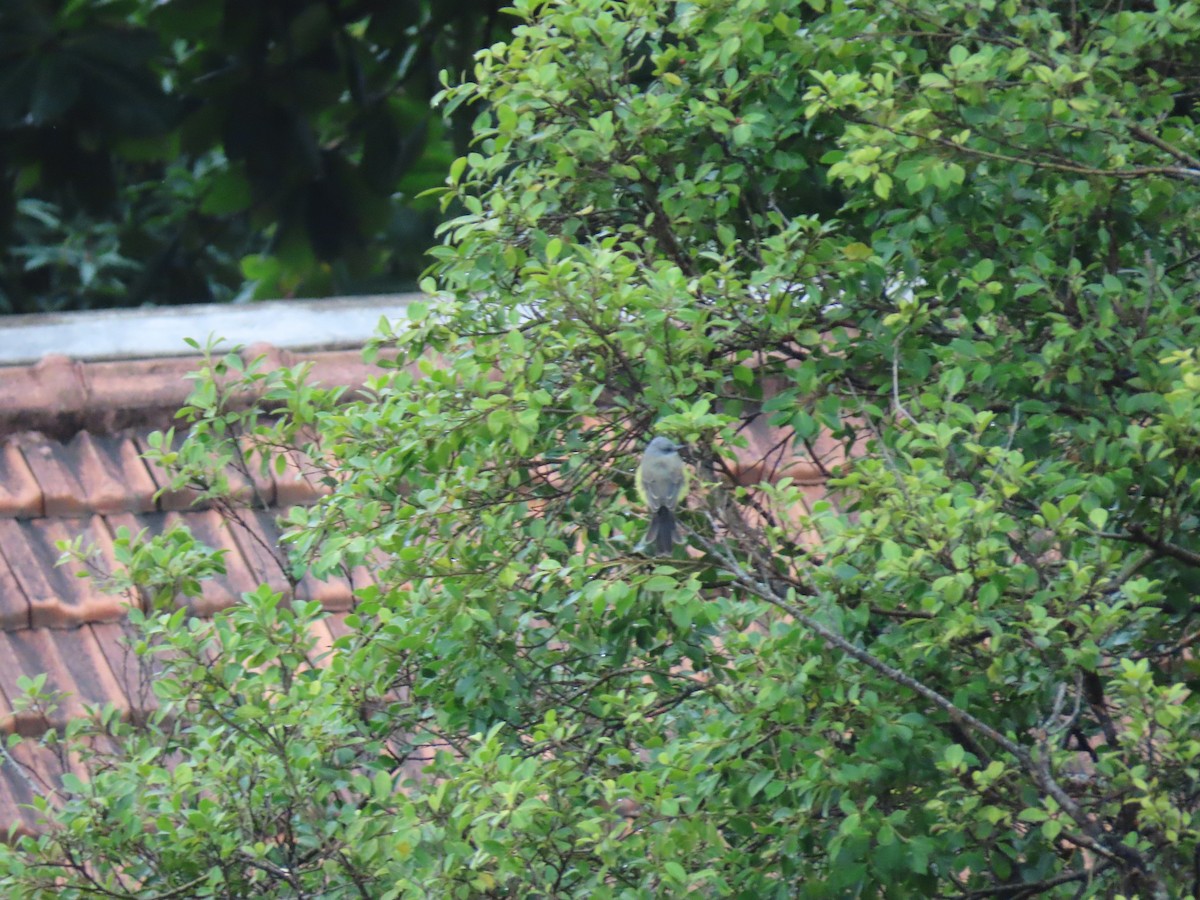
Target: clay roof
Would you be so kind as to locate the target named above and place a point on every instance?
(72, 435)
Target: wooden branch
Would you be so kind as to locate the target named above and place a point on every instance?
(1166, 548)
(1037, 767)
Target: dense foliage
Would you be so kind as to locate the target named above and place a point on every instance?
(192, 150)
(958, 240)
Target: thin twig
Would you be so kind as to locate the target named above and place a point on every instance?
(896, 380)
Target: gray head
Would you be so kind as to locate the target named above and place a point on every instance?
(662, 446)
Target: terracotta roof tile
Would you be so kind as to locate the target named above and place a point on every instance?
(74, 667)
(88, 475)
(7, 722)
(72, 436)
(337, 368)
(62, 491)
(333, 594)
(43, 396)
(36, 575)
(56, 596)
(113, 475)
(127, 393)
(29, 770)
(14, 605)
(20, 495)
(299, 484)
(327, 368)
(765, 458)
(258, 537)
(325, 638)
(170, 498)
(133, 675)
(84, 673)
(249, 544)
(246, 480)
(208, 528)
(250, 483)
(337, 626)
(61, 397)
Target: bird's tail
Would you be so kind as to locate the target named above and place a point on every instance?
(662, 530)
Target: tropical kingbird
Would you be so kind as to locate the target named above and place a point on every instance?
(661, 483)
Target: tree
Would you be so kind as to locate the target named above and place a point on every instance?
(958, 240)
(170, 152)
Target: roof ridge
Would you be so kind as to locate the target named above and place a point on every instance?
(60, 397)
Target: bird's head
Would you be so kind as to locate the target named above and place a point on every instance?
(662, 446)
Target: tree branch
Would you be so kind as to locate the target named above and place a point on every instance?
(1038, 768)
(1164, 547)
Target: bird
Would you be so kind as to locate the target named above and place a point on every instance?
(662, 483)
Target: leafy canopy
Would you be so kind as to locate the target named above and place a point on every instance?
(957, 242)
